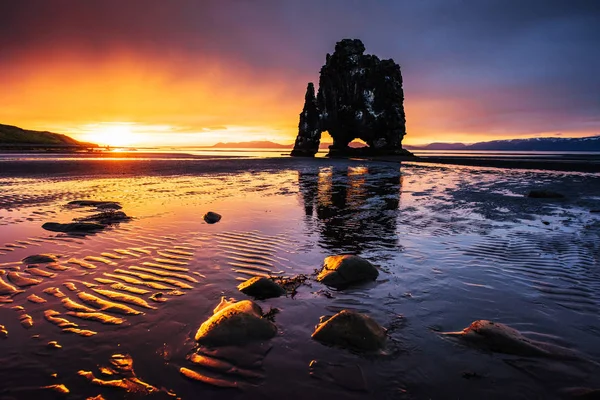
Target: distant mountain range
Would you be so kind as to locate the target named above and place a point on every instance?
(265, 144)
(15, 137)
(590, 143)
(12, 136)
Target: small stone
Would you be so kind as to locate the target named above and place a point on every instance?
(343, 270)
(261, 288)
(353, 330)
(212, 217)
(471, 375)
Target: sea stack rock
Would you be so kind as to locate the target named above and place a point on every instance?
(309, 129)
(360, 97)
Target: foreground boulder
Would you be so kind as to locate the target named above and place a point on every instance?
(73, 227)
(343, 270)
(352, 330)
(261, 288)
(497, 337)
(212, 217)
(235, 323)
(545, 194)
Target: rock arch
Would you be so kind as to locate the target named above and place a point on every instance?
(359, 97)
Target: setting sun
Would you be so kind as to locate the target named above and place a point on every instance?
(111, 134)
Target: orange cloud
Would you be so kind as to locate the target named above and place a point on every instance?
(176, 100)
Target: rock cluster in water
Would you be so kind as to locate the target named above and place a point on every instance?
(239, 322)
(359, 97)
(107, 215)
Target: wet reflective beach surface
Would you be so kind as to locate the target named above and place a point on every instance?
(115, 313)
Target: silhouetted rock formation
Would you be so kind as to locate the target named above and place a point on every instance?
(309, 129)
(360, 96)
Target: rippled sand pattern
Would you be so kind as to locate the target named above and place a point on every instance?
(453, 244)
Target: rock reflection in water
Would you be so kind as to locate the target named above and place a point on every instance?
(353, 208)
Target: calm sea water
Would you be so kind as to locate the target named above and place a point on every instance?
(453, 244)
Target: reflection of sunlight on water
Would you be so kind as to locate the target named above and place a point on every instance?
(325, 185)
(356, 195)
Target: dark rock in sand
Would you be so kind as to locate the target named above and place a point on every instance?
(353, 330)
(95, 203)
(73, 227)
(106, 218)
(261, 288)
(40, 259)
(595, 211)
(212, 217)
(343, 270)
(497, 337)
(235, 323)
(545, 194)
(360, 97)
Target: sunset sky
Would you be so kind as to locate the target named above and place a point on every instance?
(196, 72)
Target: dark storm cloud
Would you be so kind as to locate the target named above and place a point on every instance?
(530, 64)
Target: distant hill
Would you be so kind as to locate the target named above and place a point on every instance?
(590, 143)
(12, 136)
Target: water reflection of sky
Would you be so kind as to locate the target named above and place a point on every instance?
(454, 244)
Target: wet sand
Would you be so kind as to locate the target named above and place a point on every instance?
(453, 244)
(567, 163)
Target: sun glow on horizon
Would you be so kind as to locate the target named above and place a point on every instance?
(113, 134)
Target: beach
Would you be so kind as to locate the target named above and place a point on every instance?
(452, 244)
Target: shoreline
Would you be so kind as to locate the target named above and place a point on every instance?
(567, 164)
(35, 162)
